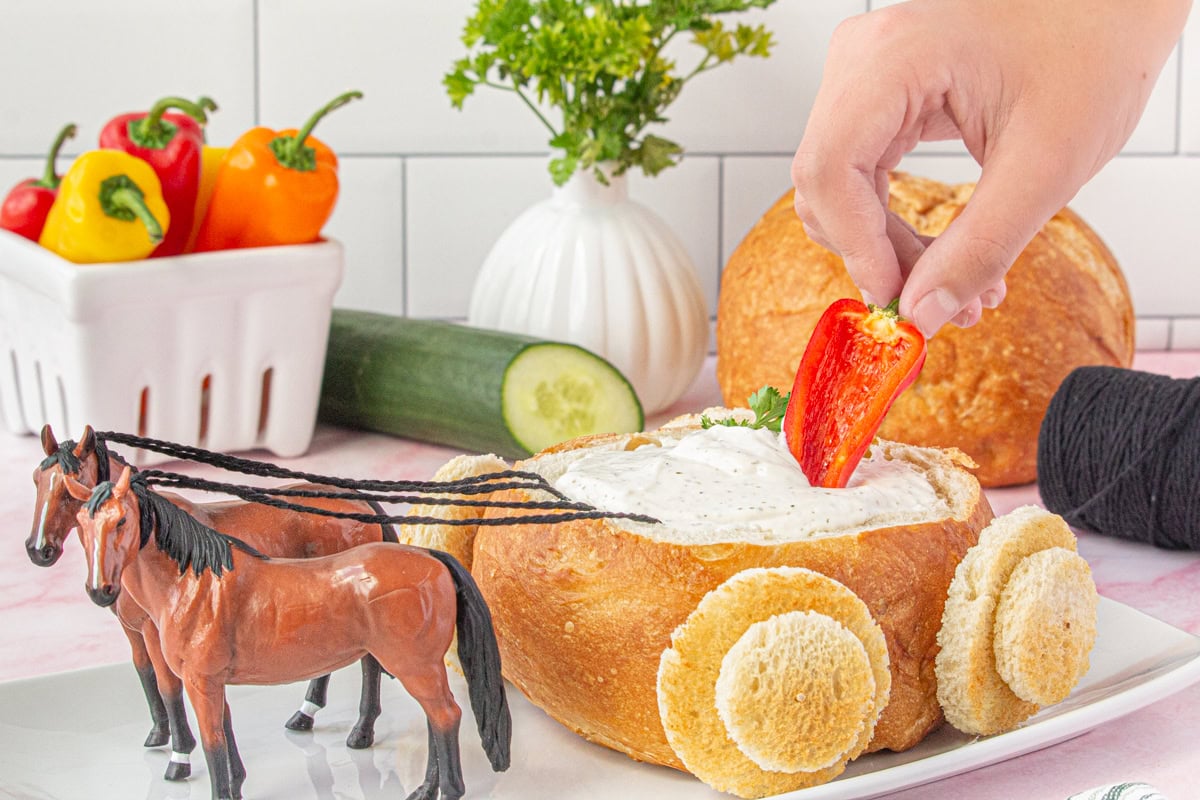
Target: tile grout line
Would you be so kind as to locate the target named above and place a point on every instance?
(720, 228)
(404, 299)
(257, 34)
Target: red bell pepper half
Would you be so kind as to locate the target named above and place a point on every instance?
(172, 144)
(858, 361)
(25, 208)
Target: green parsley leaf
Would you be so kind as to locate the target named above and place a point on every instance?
(768, 406)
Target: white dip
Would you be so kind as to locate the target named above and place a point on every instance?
(737, 483)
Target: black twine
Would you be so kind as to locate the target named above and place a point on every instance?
(570, 511)
(1119, 455)
(479, 484)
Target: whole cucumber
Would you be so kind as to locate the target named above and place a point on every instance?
(475, 389)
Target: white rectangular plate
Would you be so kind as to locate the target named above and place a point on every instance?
(79, 735)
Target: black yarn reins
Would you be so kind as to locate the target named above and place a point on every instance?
(379, 491)
(1119, 454)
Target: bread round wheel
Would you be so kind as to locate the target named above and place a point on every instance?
(689, 670)
(795, 692)
(1046, 626)
(974, 696)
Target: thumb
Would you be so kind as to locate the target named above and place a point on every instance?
(1009, 206)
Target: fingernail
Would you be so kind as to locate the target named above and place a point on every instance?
(934, 310)
(990, 299)
(870, 300)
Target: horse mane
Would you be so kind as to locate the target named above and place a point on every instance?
(65, 457)
(186, 540)
(71, 465)
(103, 454)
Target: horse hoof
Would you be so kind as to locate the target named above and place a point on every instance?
(360, 739)
(426, 791)
(177, 771)
(157, 738)
(299, 722)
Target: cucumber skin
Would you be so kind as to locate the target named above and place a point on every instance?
(428, 380)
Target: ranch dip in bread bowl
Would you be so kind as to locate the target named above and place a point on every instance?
(585, 609)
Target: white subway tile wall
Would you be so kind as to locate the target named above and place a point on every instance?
(427, 189)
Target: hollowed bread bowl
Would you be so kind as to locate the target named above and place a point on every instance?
(584, 609)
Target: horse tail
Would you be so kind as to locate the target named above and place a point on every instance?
(479, 655)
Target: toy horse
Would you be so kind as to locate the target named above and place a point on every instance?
(225, 613)
(269, 530)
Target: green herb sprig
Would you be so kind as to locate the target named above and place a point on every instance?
(768, 406)
(601, 64)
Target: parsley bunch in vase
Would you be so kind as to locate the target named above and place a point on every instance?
(589, 265)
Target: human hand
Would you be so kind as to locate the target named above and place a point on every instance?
(1043, 94)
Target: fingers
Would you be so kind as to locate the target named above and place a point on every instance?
(963, 270)
(842, 212)
(909, 244)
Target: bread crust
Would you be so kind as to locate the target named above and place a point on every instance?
(983, 389)
(973, 694)
(584, 609)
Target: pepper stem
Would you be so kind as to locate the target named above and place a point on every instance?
(121, 198)
(291, 151)
(154, 132)
(51, 179)
(893, 307)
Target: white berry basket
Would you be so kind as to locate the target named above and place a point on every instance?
(221, 350)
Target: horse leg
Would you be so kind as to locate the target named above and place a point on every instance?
(314, 701)
(428, 685)
(237, 770)
(171, 689)
(362, 735)
(208, 701)
(160, 731)
(428, 788)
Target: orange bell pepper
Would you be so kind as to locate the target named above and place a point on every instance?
(273, 188)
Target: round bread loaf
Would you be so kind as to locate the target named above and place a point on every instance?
(584, 609)
(983, 389)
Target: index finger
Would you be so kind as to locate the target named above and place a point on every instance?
(835, 170)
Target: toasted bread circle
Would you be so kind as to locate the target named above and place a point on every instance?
(973, 695)
(690, 668)
(1046, 626)
(453, 539)
(795, 692)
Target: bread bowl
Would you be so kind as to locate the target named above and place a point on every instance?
(585, 609)
(983, 389)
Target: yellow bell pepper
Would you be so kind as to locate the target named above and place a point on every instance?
(109, 208)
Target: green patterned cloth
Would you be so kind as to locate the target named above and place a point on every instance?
(1120, 791)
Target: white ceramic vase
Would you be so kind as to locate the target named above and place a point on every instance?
(594, 268)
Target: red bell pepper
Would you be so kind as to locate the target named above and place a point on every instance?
(171, 144)
(25, 208)
(858, 361)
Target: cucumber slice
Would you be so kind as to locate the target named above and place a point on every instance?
(471, 388)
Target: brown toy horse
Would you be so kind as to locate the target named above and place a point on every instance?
(270, 530)
(226, 614)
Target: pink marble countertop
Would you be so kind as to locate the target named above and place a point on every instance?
(47, 623)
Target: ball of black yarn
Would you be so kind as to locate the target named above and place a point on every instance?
(1119, 455)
